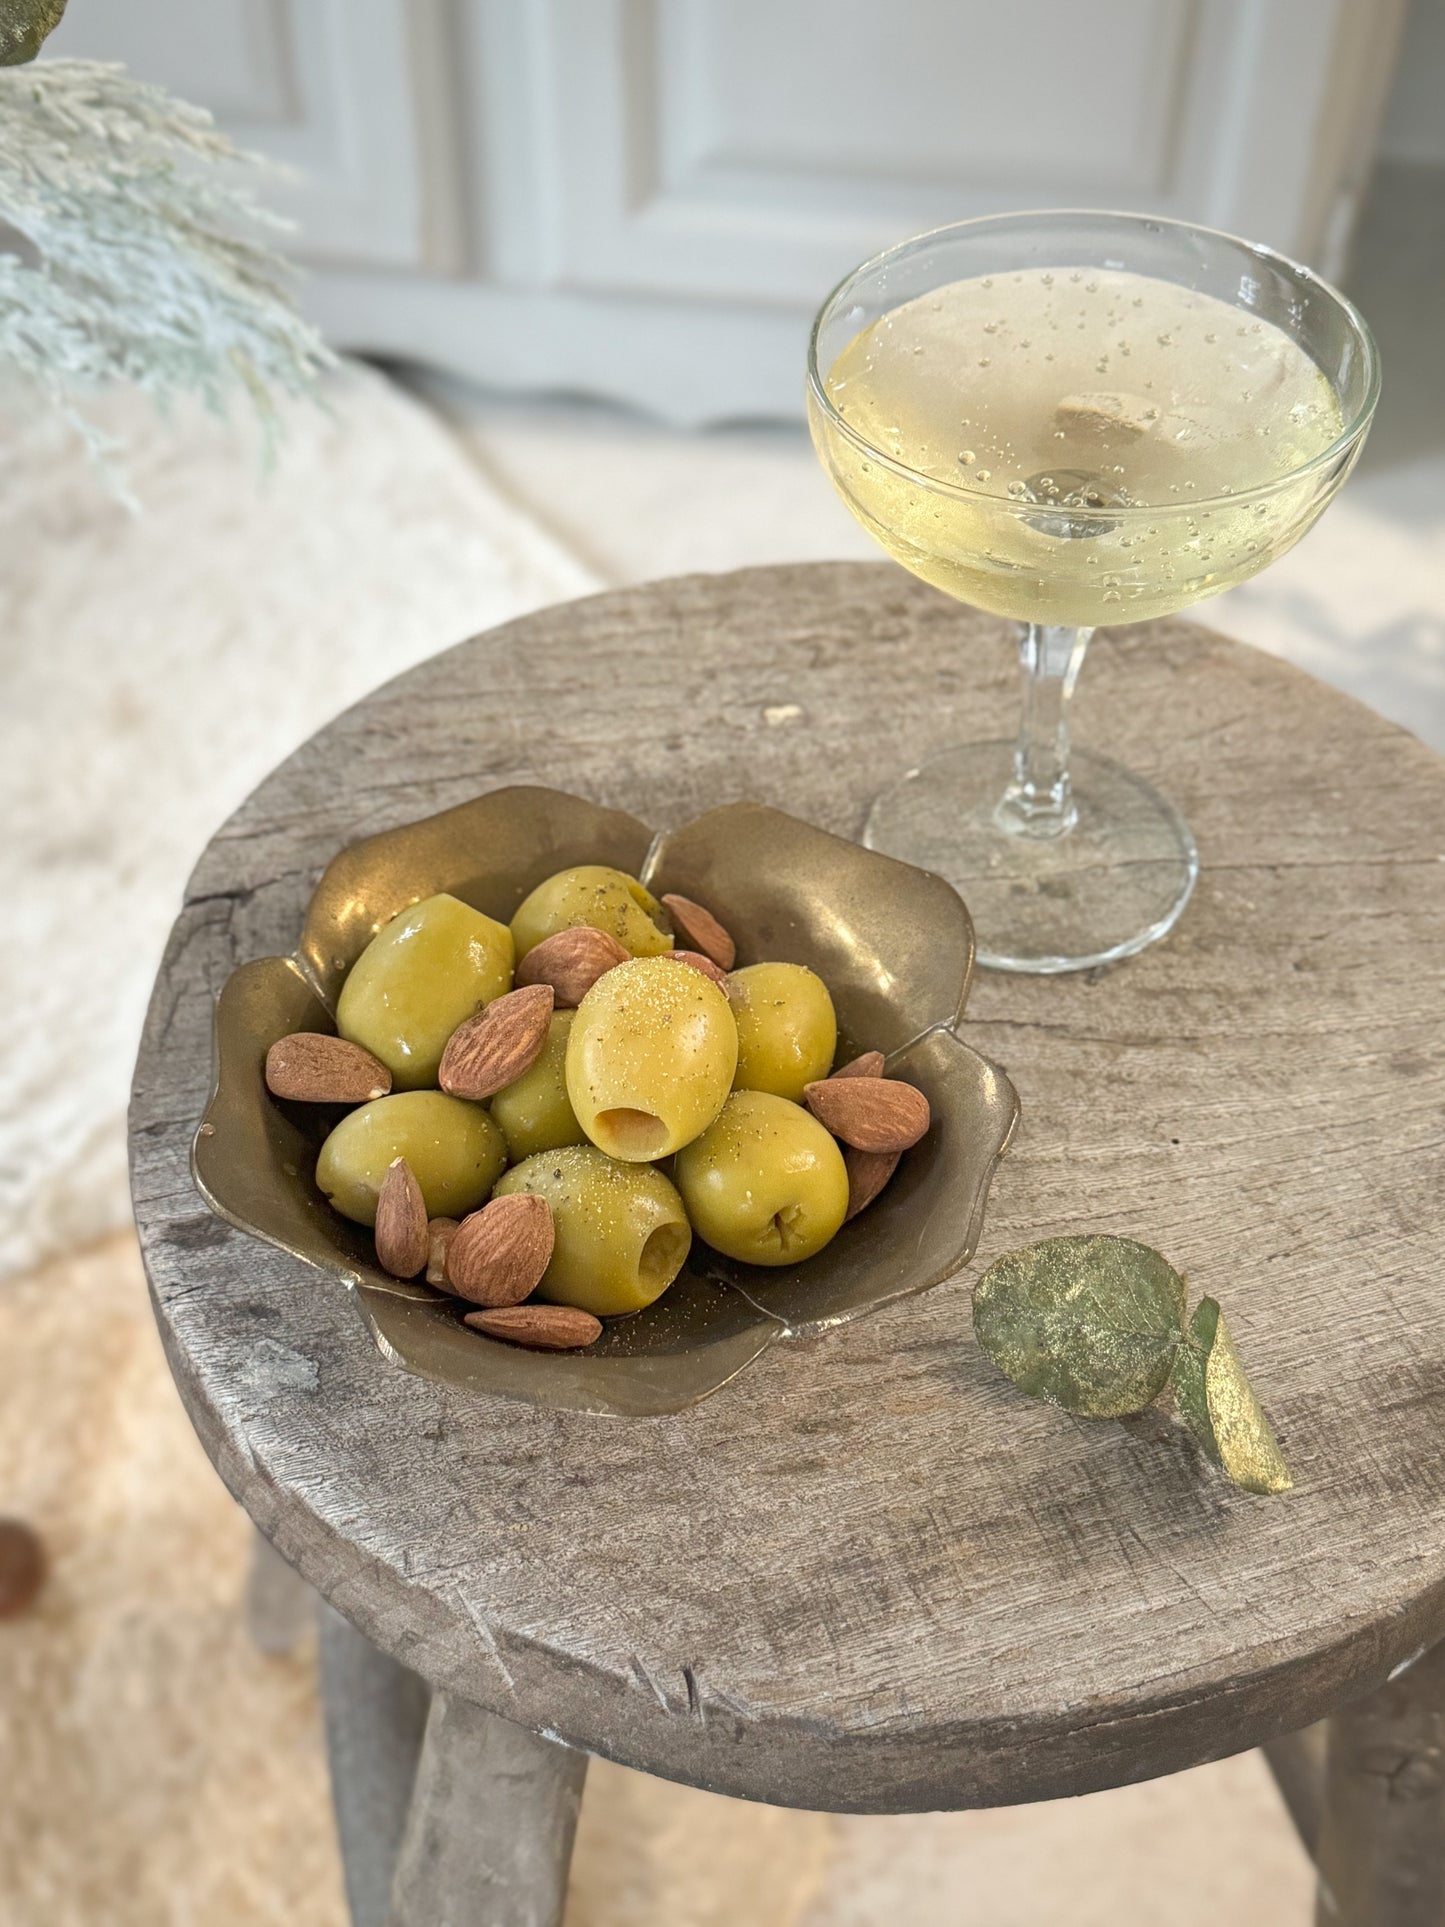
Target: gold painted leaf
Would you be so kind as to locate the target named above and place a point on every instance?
(1092, 1324)
(1218, 1405)
(24, 25)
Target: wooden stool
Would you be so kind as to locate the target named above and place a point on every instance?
(869, 1576)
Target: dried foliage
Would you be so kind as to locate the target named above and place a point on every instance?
(136, 250)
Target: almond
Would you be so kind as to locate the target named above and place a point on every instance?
(310, 1067)
(23, 1567)
(697, 961)
(402, 1244)
(497, 1255)
(868, 1172)
(545, 1328)
(491, 1050)
(702, 930)
(870, 1064)
(439, 1233)
(870, 1113)
(571, 962)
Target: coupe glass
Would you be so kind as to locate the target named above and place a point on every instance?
(1068, 861)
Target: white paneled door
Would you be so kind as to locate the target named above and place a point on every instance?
(648, 198)
(330, 89)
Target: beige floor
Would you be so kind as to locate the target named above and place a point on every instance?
(158, 1772)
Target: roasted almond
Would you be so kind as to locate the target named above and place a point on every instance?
(402, 1241)
(870, 1064)
(868, 1172)
(491, 1050)
(571, 962)
(545, 1328)
(439, 1233)
(310, 1067)
(702, 930)
(498, 1254)
(870, 1113)
(697, 961)
(23, 1567)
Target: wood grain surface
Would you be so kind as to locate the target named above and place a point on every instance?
(870, 1575)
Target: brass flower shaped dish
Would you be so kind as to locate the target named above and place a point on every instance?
(895, 946)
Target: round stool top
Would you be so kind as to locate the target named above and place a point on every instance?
(869, 1574)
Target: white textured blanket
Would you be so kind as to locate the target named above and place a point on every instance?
(152, 669)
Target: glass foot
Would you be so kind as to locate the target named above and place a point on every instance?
(1115, 882)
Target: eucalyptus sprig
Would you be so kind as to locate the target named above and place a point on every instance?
(1097, 1325)
(24, 27)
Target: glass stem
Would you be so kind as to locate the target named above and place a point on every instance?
(1039, 802)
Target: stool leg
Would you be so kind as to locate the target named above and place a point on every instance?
(375, 1713)
(489, 1838)
(1382, 1841)
(1297, 1761)
(279, 1603)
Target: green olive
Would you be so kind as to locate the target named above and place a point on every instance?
(536, 1113)
(621, 1234)
(787, 1032)
(766, 1183)
(424, 973)
(593, 894)
(455, 1151)
(650, 1059)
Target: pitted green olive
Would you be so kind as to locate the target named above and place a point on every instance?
(621, 1234)
(536, 1113)
(787, 1032)
(651, 1058)
(596, 895)
(424, 973)
(765, 1184)
(455, 1151)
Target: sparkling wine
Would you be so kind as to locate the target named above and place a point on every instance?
(1095, 446)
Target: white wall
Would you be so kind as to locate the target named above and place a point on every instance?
(647, 198)
(1414, 125)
